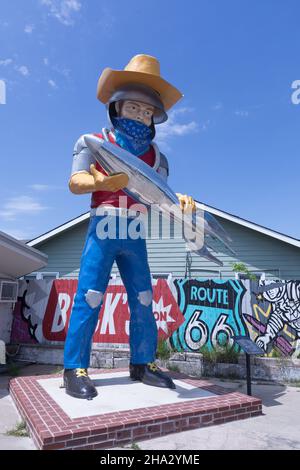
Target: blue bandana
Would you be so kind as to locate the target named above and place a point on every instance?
(133, 136)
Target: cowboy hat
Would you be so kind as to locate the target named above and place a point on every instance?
(142, 69)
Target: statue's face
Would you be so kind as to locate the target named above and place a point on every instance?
(136, 110)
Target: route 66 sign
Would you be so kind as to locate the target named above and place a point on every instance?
(212, 311)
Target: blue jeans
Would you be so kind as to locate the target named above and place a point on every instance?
(96, 263)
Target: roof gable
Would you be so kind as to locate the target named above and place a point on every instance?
(214, 211)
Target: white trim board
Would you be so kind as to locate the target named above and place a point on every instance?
(9, 242)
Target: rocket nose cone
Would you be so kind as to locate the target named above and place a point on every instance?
(93, 142)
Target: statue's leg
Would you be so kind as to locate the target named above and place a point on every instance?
(134, 269)
(95, 268)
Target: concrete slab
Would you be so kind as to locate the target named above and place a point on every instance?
(16, 443)
(10, 418)
(116, 392)
(57, 421)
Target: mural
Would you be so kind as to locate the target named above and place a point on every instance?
(275, 316)
(192, 313)
(43, 311)
(212, 313)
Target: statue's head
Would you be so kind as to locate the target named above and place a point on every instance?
(138, 92)
(135, 110)
(139, 103)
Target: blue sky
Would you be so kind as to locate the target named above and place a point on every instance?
(232, 141)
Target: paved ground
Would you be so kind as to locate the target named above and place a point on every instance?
(278, 428)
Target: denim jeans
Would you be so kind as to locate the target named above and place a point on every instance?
(95, 267)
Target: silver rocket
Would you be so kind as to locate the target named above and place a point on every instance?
(147, 187)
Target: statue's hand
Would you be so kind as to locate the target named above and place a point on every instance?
(187, 203)
(108, 183)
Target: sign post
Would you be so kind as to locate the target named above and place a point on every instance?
(251, 349)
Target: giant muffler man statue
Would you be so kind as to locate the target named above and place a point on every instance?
(137, 98)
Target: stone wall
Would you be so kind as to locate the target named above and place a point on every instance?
(262, 368)
(6, 318)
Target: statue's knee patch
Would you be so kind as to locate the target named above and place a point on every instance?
(93, 298)
(145, 297)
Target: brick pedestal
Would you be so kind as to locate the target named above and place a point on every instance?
(54, 419)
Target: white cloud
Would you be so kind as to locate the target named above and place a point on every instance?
(6, 62)
(44, 187)
(2, 91)
(217, 106)
(40, 187)
(107, 22)
(63, 10)
(29, 28)
(20, 205)
(56, 70)
(17, 233)
(7, 215)
(24, 204)
(23, 70)
(205, 125)
(52, 83)
(174, 128)
(66, 72)
(61, 70)
(241, 113)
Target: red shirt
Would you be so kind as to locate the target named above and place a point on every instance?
(109, 197)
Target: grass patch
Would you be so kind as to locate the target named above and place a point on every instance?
(294, 383)
(275, 353)
(19, 430)
(13, 369)
(233, 376)
(229, 378)
(173, 368)
(225, 355)
(242, 268)
(57, 370)
(163, 351)
(135, 446)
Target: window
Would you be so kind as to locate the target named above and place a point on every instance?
(167, 276)
(8, 291)
(41, 275)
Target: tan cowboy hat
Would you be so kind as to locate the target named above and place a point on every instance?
(142, 69)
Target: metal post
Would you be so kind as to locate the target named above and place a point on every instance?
(248, 371)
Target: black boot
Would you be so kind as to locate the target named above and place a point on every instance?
(78, 384)
(150, 374)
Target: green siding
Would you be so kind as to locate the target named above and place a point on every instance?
(257, 251)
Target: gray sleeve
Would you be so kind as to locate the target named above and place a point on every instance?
(163, 168)
(82, 157)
